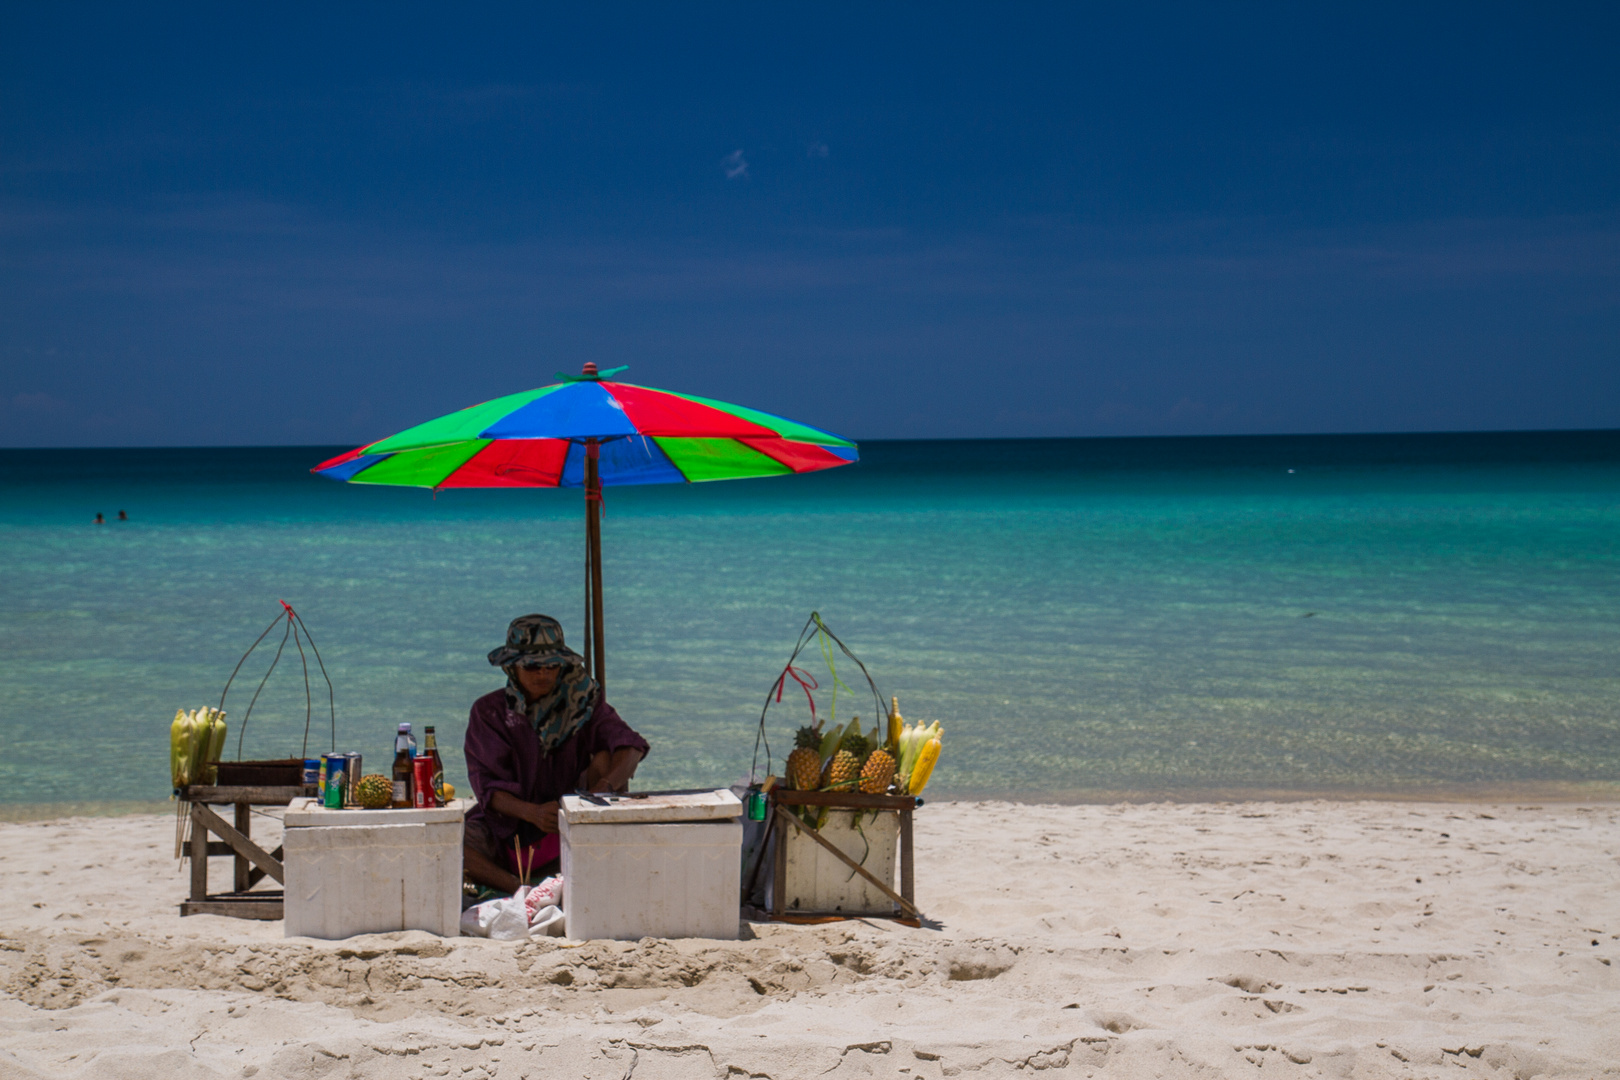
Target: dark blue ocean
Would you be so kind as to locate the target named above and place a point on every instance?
(1395, 615)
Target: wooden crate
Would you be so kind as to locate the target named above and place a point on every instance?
(903, 900)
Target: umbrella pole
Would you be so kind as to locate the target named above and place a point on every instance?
(585, 632)
(593, 553)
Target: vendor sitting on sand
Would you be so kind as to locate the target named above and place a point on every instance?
(547, 733)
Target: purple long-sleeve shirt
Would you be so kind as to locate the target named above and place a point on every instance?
(503, 754)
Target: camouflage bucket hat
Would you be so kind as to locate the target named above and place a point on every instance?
(533, 641)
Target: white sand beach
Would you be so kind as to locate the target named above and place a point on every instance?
(1279, 939)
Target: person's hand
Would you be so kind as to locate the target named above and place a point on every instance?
(543, 816)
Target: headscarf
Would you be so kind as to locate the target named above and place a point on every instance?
(537, 641)
(561, 713)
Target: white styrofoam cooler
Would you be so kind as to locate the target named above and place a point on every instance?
(645, 868)
(370, 871)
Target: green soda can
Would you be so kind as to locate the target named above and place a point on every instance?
(335, 785)
(327, 765)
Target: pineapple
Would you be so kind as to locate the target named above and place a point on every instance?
(804, 764)
(845, 768)
(856, 743)
(878, 773)
(376, 791)
(843, 771)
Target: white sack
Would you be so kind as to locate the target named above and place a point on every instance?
(505, 919)
(548, 922)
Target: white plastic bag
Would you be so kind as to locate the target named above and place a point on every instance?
(549, 893)
(506, 919)
(547, 922)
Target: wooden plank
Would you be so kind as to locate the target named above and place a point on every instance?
(258, 875)
(812, 918)
(255, 796)
(844, 800)
(199, 855)
(908, 885)
(849, 862)
(779, 871)
(244, 825)
(235, 909)
(242, 844)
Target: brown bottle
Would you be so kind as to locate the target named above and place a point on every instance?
(430, 748)
(404, 775)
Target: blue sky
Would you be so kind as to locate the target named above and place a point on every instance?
(232, 225)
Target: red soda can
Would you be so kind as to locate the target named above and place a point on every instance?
(422, 767)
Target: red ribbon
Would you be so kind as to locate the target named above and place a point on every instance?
(796, 673)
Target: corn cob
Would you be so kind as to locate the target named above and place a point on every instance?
(925, 766)
(216, 746)
(196, 733)
(911, 744)
(830, 741)
(199, 744)
(179, 742)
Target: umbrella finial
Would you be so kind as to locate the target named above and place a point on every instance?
(591, 373)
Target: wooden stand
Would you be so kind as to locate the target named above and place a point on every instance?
(905, 899)
(253, 863)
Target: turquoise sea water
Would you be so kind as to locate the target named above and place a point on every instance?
(1088, 618)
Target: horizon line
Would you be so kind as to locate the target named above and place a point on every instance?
(926, 439)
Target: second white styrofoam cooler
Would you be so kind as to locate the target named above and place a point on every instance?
(633, 869)
(371, 871)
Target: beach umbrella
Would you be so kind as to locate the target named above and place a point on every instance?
(590, 431)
